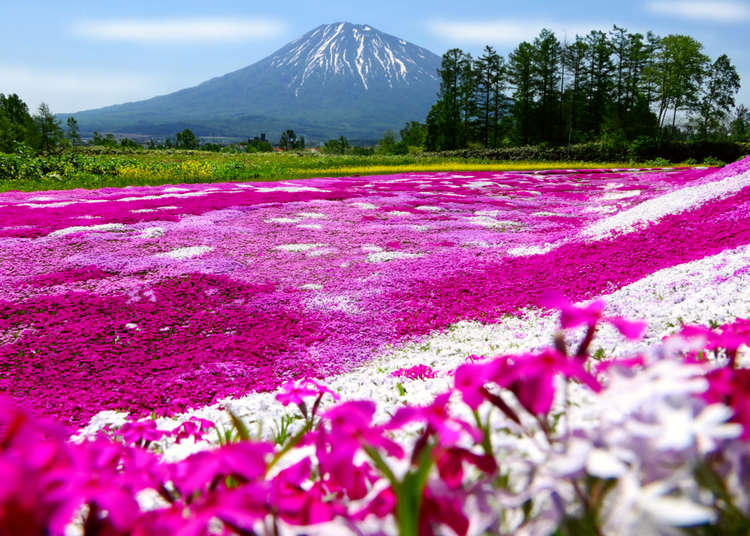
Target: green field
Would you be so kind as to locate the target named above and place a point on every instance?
(79, 169)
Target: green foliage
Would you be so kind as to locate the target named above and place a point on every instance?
(642, 149)
(739, 128)
(609, 87)
(48, 136)
(73, 134)
(389, 145)
(16, 124)
(104, 141)
(289, 141)
(716, 97)
(414, 134)
(186, 140)
(127, 142)
(339, 146)
(282, 430)
(257, 145)
(97, 166)
(658, 162)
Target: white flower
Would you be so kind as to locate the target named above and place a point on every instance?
(679, 429)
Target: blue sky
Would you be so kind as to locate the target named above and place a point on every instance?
(76, 55)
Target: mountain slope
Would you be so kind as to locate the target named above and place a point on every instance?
(338, 79)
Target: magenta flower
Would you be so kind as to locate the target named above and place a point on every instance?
(572, 316)
(244, 461)
(141, 432)
(195, 428)
(441, 509)
(295, 392)
(531, 378)
(470, 379)
(450, 464)
(417, 372)
(731, 387)
(448, 429)
(630, 329)
(336, 447)
(381, 506)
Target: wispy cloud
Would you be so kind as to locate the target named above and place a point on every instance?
(507, 31)
(729, 12)
(191, 30)
(69, 92)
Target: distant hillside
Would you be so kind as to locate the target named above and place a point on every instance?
(338, 79)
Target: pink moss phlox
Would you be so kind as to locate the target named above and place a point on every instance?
(295, 392)
(417, 372)
(155, 300)
(141, 432)
(195, 428)
(438, 419)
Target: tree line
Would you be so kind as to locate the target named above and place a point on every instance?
(20, 131)
(611, 87)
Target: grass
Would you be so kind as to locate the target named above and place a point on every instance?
(85, 170)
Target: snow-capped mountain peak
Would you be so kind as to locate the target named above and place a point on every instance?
(345, 50)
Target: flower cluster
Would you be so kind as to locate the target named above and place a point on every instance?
(509, 449)
(166, 298)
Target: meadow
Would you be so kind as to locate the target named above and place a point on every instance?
(102, 167)
(422, 352)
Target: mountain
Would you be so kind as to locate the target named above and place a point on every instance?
(338, 79)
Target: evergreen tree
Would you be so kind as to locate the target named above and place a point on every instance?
(599, 81)
(574, 60)
(73, 134)
(545, 66)
(445, 121)
(49, 134)
(522, 77)
(490, 86)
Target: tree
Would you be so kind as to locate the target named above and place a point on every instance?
(739, 128)
(186, 140)
(289, 140)
(521, 76)
(677, 73)
(16, 124)
(445, 121)
(545, 61)
(257, 145)
(413, 134)
(104, 141)
(490, 98)
(129, 144)
(717, 95)
(389, 145)
(338, 146)
(599, 83)
(573, 58)
(73, 133)
(49, 134)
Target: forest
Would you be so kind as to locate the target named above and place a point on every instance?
(611, 87)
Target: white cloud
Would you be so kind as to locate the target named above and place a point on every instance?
(507, 31)
(703, 11)
(71, 91)
(193, 30)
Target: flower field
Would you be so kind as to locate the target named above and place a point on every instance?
(172, 331)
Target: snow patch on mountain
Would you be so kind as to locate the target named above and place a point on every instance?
(356, 51)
